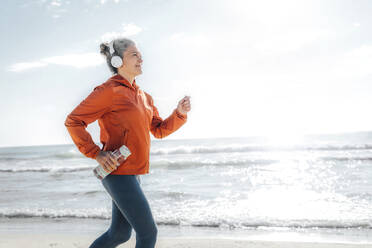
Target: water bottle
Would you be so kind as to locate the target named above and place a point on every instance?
(120, 155)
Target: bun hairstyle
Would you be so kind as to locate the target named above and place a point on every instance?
(118, 47)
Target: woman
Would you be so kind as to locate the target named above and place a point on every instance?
(126, 115)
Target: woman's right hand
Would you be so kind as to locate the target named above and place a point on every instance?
(107, 161)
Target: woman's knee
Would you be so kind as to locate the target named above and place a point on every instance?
(155, 231)
(120, 237)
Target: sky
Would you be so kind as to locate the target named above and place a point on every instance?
(273, 68)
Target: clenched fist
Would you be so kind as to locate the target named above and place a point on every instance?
(184, 105)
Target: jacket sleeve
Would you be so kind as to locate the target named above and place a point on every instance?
(89, 110)
(161, 128)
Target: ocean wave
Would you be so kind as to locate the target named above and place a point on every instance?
(229, 148)
(170, 164)
(47, 169)
(173, 164)
(219, 223)
(180, 164)
(341, 159)
(15, 157)
(232, 225)
(254, 148)
(52, 213)
(68, 154)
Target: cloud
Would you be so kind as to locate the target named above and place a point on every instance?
(79, 61)
(104, 1)
(59, 8)
(76, 60)
(55, 8)
(56, 3)
(127, 31)
(26, 66)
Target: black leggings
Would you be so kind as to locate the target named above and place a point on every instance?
(130, 209)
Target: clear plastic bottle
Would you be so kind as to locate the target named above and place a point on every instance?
(120, 155)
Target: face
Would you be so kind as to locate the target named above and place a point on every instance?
(132, 61)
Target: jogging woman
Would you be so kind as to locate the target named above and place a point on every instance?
(126, 116)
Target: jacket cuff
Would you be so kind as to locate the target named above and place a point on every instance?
(181, 116)
(93, 153)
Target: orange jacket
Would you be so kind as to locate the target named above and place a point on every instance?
(126, 115)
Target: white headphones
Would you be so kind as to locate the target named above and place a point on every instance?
(116, 61)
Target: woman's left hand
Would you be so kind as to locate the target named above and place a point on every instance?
(184, 105)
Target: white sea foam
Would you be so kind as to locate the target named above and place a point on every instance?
(51, 168)
(254, 148)
(188, 220)
(93, 213)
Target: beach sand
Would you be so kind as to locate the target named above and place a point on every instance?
(80, 233)
(12, 240)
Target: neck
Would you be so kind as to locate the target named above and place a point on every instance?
(127, 76)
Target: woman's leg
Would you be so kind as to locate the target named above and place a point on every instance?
(128, 196)
(118, 233)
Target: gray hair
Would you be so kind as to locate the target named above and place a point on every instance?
(120, 46)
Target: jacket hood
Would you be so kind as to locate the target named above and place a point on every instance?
(118, 78)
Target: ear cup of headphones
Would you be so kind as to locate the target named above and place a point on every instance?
(116, 61)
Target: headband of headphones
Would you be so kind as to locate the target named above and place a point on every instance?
(111, 46)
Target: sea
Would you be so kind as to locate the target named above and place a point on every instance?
(317, 187)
